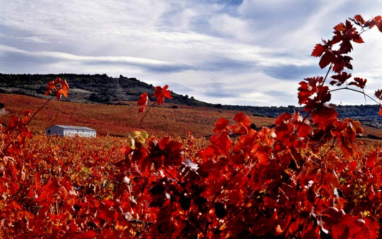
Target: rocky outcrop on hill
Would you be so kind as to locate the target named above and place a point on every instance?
(87, 88)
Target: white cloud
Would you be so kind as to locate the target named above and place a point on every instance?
(231, 26)
(262, 46)
(70, 57)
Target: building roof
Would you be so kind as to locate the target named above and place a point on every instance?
(72, 127)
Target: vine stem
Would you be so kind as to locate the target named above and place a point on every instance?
(358, 91)
(26, 124)
(344, 88)
(147, 111)
(298, 128)
(39, 109)
(293, 209)
(169, 174)
(326, 77)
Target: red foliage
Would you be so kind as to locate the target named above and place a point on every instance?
(161, 93)
(304, 178)
(243, 123)
(142, 102)
(359, 82)
(59, 86)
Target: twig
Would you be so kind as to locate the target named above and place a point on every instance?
(26, 124)
(293, 208)
(358, 91)
(147, 111)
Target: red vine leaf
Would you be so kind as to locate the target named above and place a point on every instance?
(243, 123)
(358, 19)
(161, 94)
(371, 159)
(172, 151)
(318, 50)
(339, 79)
(358, 39)
(50, 87)
(326, 59)
(142, 101)
(378, 22)
(359, 82)
(346, 131)
(340, 27)
(88, 235)
(60, 86)
(307, 88)
(378, 94)
(322, 115)
(221, 125)
(262, 155)
(37, 181)
(221, 141)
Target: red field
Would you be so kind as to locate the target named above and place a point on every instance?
(120, 120)
(57, 187)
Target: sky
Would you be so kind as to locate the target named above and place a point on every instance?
(241, 52)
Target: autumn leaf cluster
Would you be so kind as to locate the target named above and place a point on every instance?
(307, 177)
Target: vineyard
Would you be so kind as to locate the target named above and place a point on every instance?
(306, 177)
(120, 120)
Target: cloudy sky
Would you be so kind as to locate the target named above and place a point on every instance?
(246, 52)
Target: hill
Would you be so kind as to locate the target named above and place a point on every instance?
(119, 91)
(120, 120)
(87, 88)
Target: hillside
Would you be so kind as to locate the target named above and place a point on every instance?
(87, 88)
(119, 91)
(120, 120)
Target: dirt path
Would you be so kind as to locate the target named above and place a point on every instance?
(120, 94)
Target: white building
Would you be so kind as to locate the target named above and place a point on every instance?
(70, 131)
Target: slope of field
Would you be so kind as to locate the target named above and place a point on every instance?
(111, 90)
(120, 120)
(370, 131)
